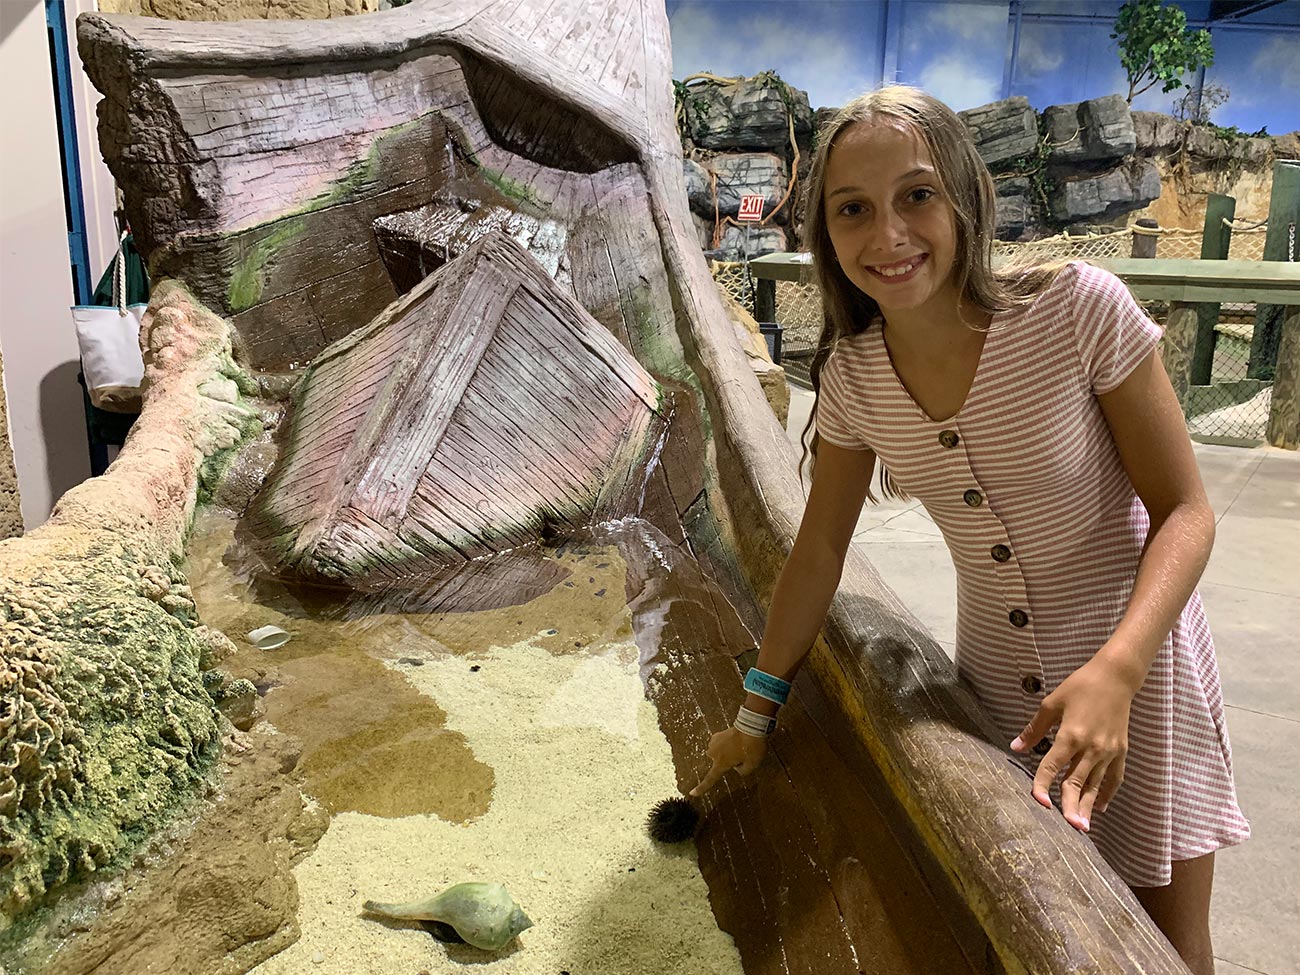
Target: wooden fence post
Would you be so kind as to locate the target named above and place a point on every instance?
(1279, 245)
(1179, 345)
(1144, 245)
(764, 300)
(1284, 416)
(1215, 240)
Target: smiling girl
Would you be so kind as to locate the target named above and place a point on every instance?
(1027, 410)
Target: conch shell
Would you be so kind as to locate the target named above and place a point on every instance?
(485, 915)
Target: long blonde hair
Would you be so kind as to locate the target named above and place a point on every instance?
(966, 183)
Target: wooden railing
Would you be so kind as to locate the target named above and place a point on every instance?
(1185, 284)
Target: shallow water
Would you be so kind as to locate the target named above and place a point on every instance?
(371, 741)
(513, 744)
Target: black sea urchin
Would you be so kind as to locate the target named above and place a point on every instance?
(443, 931)
(672, 820)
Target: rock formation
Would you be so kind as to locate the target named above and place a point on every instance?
(104, 723)
(1076, 165)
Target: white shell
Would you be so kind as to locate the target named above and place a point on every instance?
(268, 637)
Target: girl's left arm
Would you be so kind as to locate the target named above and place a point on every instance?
(1092, 705)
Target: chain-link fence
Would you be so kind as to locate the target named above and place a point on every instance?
(1231, 401)
(1229, 397)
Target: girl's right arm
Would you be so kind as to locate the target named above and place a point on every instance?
(803, 593)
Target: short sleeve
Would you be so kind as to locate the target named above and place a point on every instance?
(1112, 332)
(834, 409)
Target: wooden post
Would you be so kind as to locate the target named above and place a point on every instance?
(1179, 344)
(1279, 245)
(765, 300)
(1284, 416)
(1215, 240)
(1144, 245)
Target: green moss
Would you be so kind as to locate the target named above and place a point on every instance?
(510, 188)
(248, 280)
(130, 698)
(213, 469)
(227, 366)
(361, 172)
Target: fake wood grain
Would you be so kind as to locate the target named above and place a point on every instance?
(779, 852)
(1284, 416)
(425, 400)
(455, 440)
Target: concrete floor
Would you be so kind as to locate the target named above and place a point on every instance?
(1251, 591)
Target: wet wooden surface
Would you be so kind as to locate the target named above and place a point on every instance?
(808, 867)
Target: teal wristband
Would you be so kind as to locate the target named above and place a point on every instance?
(766, 686)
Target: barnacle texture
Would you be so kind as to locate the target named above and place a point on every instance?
(104, 720)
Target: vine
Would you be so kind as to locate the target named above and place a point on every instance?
(1034, 165)
(685, 100)
(1229, 169)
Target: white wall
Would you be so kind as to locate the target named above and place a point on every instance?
(46, 419)
(97, 185)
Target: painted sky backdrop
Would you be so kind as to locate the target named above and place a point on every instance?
(958, 49)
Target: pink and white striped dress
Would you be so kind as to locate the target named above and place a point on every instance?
(1045, 531)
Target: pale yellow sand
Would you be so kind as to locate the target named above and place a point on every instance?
(579, 760)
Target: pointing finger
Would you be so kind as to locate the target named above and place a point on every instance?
(710, 780)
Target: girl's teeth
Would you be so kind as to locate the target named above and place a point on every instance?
(895, 271)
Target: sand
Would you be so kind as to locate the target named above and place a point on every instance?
(579, 760)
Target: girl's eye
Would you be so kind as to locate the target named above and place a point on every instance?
(850, 209)
(921, 194)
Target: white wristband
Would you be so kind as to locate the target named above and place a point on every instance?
(754, 724)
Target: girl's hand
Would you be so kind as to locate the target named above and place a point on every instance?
(731, 749)
(1091, 706)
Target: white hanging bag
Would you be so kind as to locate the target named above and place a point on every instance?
(109, 339)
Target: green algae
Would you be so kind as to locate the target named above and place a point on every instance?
(248, 279)
(112, 728)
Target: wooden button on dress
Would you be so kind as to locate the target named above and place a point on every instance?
(1000, 553)
(1018, 617)
(949, 438)
(1030, 684)
(973, 498)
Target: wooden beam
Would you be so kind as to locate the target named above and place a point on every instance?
(1215, 241)
(1280, 244)
(1284, 415)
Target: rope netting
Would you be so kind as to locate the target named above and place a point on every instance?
(1067, 246)
(1246, 244)
(798, 306)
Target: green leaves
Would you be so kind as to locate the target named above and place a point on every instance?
(1156, 46)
